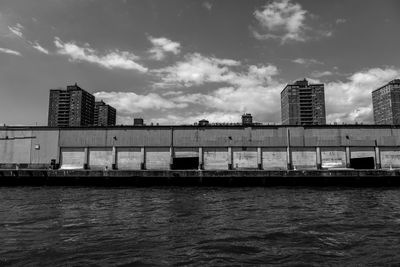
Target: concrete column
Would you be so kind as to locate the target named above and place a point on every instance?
(114, 158)
(377, 158)
(230, 158)
(201, 159)
(259, 158)
(143, 156)
(319, 157)
(86, 159)
(288, 151)
(348, 156)
(171, 157)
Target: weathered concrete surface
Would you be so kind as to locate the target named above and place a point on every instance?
(244, 158)
(216, 158)
(100, 158)
(333, 157)
(201, 178)
(72, 158)
(129, 158)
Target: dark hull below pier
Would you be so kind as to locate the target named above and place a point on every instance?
(357, 178)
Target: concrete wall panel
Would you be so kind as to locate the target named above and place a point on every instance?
(186, 152)
(158, 158)
(333, 157)
(304, 158)
(72, 158)
(100, 158)
(44, 146)
(129, 158)
(244, 158)
(274, 159)
(215, 158)
(15, 146)
(390, 157)
(362, 152)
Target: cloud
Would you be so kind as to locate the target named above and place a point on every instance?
(340, 21)
(241, 88)
(9, 51)
(128, 103)
(111, 60)
(351, 100)
(285, 21)
(207, 5)
(320, 74)
(307, 61)
(161, 46)
(17, 29)
(196, 70)
(40, 48)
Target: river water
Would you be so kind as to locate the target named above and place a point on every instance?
(65, 226)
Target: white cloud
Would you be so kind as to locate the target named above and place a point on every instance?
(340, 21)
(17, 29)
(212, 117)
(207, 5)
(307, 61)
(161, 46)
(320, 74)
(9, 51)
(128, 103)
(197, 69)
(283, 20)
(111, 60)
(351, 100)
(40, 48)
(286, 21)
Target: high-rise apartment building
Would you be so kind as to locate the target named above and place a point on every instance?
(303, 104)
(386, 103)
(104, 115)
(71, 107)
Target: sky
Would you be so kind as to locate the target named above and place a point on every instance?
(180, 61)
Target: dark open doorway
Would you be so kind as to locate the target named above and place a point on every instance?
(186, 163)
(362, 163)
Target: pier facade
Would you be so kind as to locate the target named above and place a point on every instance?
(204, 148)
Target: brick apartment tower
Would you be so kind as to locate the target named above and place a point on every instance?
(104, 115)
(303, 104)
(386, 103)
(71, 107)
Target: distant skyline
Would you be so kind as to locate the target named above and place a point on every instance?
(180, 61)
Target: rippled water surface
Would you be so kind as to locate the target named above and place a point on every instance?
(198, 226)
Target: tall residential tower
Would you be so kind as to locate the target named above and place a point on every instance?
(303, 104)
(76, 107)
(386, 103)
(104, 115)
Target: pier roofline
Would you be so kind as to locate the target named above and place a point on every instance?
(239, 126)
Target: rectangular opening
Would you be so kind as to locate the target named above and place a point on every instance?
(185, 163)
(362, 163)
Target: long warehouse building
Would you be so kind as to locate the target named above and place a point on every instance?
(197, 147)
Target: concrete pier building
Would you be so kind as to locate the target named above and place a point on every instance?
(303, 104)
(195, 147)
(386, 103)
